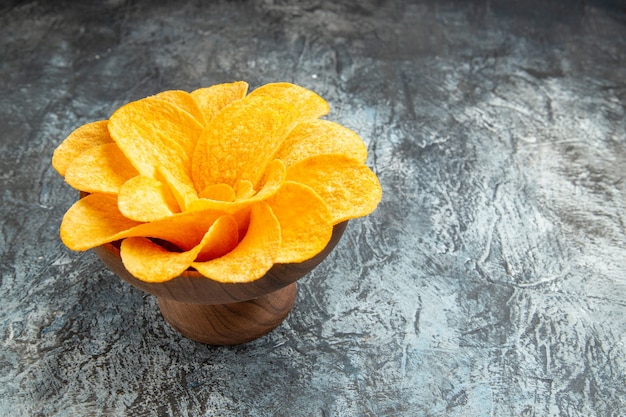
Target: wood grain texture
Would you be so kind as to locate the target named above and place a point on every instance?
(229, 324)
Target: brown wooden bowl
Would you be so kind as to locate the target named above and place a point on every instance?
(224, 314)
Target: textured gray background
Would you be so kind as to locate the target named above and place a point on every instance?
(489, 282)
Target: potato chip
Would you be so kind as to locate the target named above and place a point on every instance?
(211, 100)
(145, 199)
(184, 230)
(348, 187)
(254, 255)
(316, 137)
(305, 222)
(218, 192)
(181, 188)
(222, 237)
(242, 138)
(216, 180)
(100, 169)
(309, 104)
(184, 101)
(273, 179)
(81, 139)
(93, 221)
(242, 217)
(96, 219)
(244, 190)
(158, 136)
(151, 262)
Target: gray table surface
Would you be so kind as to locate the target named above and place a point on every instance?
(490, 281)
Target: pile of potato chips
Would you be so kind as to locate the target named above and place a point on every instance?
(217, 180)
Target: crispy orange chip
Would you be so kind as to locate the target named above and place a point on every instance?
(211, 100)
(255, 128)
(243, 220)
(220, 181)
(93, 221)
(254, 255)
(244, 190)
(184, 101)
(309, 104)
(218, 192)
(241, 140)
(100, 169)
(349, 188)
(152, 262)
(222, 237)
(316, 137)
(96, 219)
(305, 222)
(157, 136)
(81, 139)
(273, 179)
(145, 199)
(184, 230)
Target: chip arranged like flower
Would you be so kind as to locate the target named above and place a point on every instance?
(218, 180)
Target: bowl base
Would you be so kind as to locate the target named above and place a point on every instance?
(229, 324)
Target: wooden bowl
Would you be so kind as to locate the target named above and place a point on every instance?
(223, 314)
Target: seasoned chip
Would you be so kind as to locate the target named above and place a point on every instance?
(93, 221)
(222, 237)
(157, 136)
(255, 254)
(218, 192)
(211, 100)
(145, 199)
(240, 141)
(256, 127)
(220, 181)
(100, 169)
(96, 219)
(244, 189)
(309, 104)
(349, 188)
(316, 137)
(151, 262)
(273, 179)
(305, 222)
(184, 230)
(184, 101)
(81, 139)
